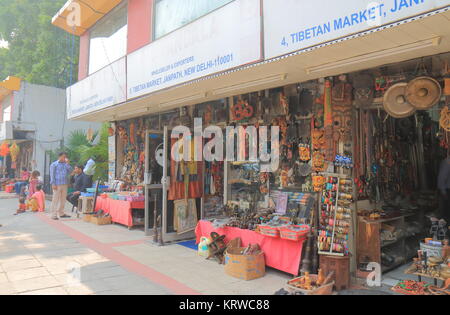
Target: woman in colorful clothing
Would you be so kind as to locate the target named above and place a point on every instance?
(34, 181)
(37, 200)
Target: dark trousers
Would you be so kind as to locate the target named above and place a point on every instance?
(18, 187)
(73, 199)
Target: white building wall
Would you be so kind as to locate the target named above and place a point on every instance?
(42, 110)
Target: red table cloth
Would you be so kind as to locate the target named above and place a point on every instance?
(120, 211)
(280, 254)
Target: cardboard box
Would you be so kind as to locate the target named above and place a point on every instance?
(245, 267)
(101, 221)
(87, 218)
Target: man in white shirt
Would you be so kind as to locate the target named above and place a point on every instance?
(89, 169)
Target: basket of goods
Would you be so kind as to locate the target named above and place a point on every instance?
(310, 284)
(270, 231)
(294, 232)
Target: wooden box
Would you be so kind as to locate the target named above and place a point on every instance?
(340, 266)
(101, 221)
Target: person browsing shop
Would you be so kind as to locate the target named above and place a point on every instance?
(82, 182)
(59, 179)
(89, 169)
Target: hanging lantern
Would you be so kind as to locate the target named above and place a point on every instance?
(14, 150)
(4, 149)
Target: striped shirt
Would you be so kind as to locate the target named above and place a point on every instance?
(59, 173)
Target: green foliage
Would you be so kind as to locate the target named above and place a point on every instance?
(80, 150)
(38, 52)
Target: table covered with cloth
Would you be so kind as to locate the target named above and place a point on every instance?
(120, 211)
(280, 254)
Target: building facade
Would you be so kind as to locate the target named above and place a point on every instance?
(34, 116)
(145, 65)
(144, 56)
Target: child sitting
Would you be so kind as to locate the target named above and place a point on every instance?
(22, 206)
(37, 201)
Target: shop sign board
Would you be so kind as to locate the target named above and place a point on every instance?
(224, 39)
(292, 25)
(102, 89)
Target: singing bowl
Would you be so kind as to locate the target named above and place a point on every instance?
(423, 93)
(395, 102)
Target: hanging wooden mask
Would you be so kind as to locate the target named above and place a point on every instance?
(342, 94)
(318, 161)
(304, 152)
(318, 183)
(318, 139)
(342, 123)
(363, 89)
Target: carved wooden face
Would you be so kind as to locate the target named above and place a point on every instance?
(318, 137)
(342, 123)
(363, 96)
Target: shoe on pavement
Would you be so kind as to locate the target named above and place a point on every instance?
(65, 216)
(56, 219)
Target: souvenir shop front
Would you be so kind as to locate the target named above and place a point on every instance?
(356, 182)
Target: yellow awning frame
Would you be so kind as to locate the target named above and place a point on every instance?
(9, 85)
(90, 12)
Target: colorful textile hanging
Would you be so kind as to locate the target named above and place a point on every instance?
(4, 149)
(14, 151)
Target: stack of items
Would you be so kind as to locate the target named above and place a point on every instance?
(246, 263)
(335, 216)
(312, 284)
(98, 218)
(433, 260)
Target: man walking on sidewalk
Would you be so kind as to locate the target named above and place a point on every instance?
(59, 179)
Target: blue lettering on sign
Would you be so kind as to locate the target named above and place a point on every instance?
(107, 100)
(189, 70)
(404, 4)
(342, 23)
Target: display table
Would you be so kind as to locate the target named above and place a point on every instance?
(280, 254)
(120, 211)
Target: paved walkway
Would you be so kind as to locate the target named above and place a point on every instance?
(42, 256)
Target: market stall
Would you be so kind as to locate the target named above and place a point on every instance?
(281, 254)
(121, 211)
(351, 176)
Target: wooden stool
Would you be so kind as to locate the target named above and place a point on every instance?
(85, 205)
(340, 266)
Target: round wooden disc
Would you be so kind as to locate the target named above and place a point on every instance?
(423, 92)
(395, 102)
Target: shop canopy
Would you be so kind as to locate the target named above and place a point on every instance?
(77, 16)
(8, 86)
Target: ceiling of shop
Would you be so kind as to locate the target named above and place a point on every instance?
(416, 39)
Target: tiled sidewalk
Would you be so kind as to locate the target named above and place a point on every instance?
(41, 256)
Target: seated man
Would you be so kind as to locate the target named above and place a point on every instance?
(82, 182)
(22, 181)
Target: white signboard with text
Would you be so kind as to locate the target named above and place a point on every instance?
(102, 89)
(224, 39)
(292, 25)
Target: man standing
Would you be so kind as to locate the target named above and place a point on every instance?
(82, 182)
(444, 189)
(59, 179)
(89, 169)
